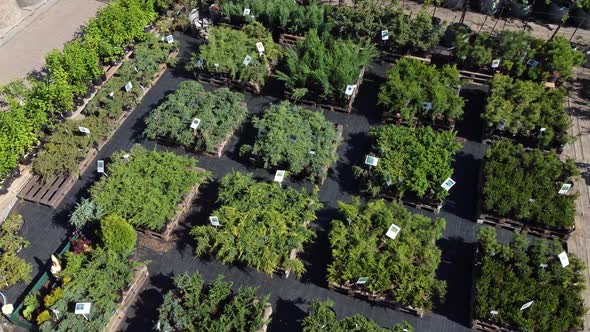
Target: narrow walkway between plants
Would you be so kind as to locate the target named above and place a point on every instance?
(579, 242)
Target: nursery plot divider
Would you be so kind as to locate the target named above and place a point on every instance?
(223, 80)
(393, 57)
(437, 124)
(475, 77)
(289, 40)
(265, 317)
(347, 108)
(128, 297)
(181, 210)
(54, 191)
(515, 226)
(414, 203)
(375, 299)
(219, 148)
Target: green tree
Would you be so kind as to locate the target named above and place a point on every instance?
(13, 268)
(117, 235)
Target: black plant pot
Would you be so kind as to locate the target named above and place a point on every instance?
(580, 18)
(452, 30)
(552, 13)
(488, 7)
(454, 4)
(518, 9)
(78, 101)
(127, 108)
(67, 114)
(98, 81)
(91, 89)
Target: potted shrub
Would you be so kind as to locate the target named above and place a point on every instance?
(321, 68)
(508, 276)
(262, 225)
(196, 305)
(399, 270)
(220, 113)
(527, 112)
(226, 52)
(416, 92)
(413, 164)
(13, 268)
(295, 139)
(524, 186)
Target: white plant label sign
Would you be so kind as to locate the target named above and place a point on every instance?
(214, 220)
(393, 231)
(112, 95)
(82, 308)
(170, 39)
(246, 11)
(362, 280)
(427, 106)
(195, 124)
(564, 188)
(496, 63)
(84, 130)
(388, 179)
(349, 90)
(200, 63)
(247, 60)
(526, 305)
(371, 161)
(384, 35)
(448, 184)
(493, 312)
(532, 63)
(279, 176)
(260, 47)
(563, 259)
(128, 86)
(100, 166)
(543, 129)
(543, 265)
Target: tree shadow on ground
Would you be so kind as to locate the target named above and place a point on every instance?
(455, 268)
(317, 254)
(464, 196)
(144, 313)
(286, 316)
(352, 155)
(470, 126)
(367, 97)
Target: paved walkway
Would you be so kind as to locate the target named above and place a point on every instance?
(579, 243)
(23, 48)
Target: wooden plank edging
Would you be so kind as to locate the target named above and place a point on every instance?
(129, 296)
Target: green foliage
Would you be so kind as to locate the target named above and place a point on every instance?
(43, 317)
(117, 235)
(284, 15)
(227, 48)
(403, 269)
(196, 306)
(366, 19)
(145, 188)
(86, 211)
(515, 50)
(31, 303)
(416, 160)
(221, 112)
(524, 185)
(512, 275)
(12, 267)
(52, 297)
(325, 66)
(260, 224)
(522, 108)
(321, 316)
(99, 279)
(411, 83)
(301, 140)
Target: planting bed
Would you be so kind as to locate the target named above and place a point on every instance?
(129, 296)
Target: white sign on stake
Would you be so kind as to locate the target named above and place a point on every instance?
(246, 11)
(542, 130)
(279, 176)
(82, 308)
(200, 63)
(532, 63)
(526, 305)
(563, 259)
(496, 63)
(543, 265)
(195, 123)
(371, 161)
(564, 188)
(112, 95)
(128, 86)
(247, 60)
(448, 184)
(214, 220)
(493, 312)
(362, 280)
(349, 90)
(311, 152)
(427, 106)
(393, 231)
(388, 179)
(84, 130)
(260, 47)
(384, 35)
(100, 166)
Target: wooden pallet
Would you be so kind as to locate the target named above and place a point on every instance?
(265, 317)
(129, 296)
(439, 124)
(393, 57)
(331, 107)
(377, 299)
(286, 39)
(488, 327)
(181, 211)
(219, 80)
(520, 227)
(475, 77)
(292, 255)
(434, 208)
(509, 224)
